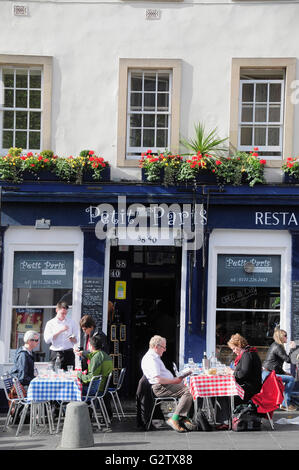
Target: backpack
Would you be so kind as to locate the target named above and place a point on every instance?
(201, 421)
(246, 418)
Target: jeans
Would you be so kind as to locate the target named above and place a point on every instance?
(289, 383)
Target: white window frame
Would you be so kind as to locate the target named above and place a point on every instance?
(135, 152)
(29, 239)
(16, 109)
(253, 124)
(249, 242)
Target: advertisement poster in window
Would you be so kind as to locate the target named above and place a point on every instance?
(25, 319)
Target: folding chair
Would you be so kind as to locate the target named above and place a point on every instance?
(114, 393)
(92, 395)
(36, 410)
(158, 401)
(270, 396)
(14, 403)
(101, 401)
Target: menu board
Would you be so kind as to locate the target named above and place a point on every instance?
(92, 298)
(295, 310)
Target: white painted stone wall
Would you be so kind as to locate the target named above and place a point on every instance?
(87, 38)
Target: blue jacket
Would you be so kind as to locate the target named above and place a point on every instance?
(23, 367)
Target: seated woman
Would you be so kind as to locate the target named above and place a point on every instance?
(247, 373)
(23, 367)
(275, 358)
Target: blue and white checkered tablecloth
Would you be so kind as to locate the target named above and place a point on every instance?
(57, 388)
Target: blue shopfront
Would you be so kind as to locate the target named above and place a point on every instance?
(192, 264)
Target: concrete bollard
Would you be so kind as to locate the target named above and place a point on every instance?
(77, 428)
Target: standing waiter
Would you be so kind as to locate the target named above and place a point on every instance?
(63, 334)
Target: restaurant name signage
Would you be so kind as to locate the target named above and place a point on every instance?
(269, 218)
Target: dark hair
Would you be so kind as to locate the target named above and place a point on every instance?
(87, 322)
(96, 342)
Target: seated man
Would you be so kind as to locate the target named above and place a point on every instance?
(23, 367)
(99, 363)
(165, 384)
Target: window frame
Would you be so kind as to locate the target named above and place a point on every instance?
(43, 63)
(125, 66)
(289, 67)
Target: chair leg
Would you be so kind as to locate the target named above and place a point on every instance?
(151, 417)
(8, 416)
(270, 421)
(119, 403)
(115, 405)
(95, 414)
(22, 419)
(104, 411)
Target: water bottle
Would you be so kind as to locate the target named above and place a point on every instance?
(213, 361)
(205, 362)
(57, 363)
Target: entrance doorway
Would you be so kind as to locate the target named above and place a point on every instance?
(151, 277)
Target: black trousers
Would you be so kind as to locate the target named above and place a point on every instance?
(67, 358)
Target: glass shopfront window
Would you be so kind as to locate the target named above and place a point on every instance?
(40, 281)
(248, 300)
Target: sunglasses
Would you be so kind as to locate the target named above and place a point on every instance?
(36, 340)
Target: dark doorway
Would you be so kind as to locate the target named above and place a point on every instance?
(152, 303)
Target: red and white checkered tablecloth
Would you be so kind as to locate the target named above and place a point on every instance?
(213, 386)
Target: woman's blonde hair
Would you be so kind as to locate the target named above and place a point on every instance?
(279, 335)
(237, 341)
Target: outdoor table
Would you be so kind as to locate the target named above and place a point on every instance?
(60, 388)
(207, 386)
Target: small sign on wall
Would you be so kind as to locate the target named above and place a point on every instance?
(121, 290)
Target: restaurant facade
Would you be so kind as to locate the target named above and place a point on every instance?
(192, 264)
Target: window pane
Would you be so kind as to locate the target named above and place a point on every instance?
(275, 92)
(34, 120)
(261, 92)
(247, 113)
(162, 138)
(163, 82)
(260, 113)
(163, 102)
(21, 139)
(135, 138)
(21, 120)
(274, 113)
(7, 140)
(35, 99)
(8, 98)
(149, 101)
(149, 120)
(21, 98)
(149, 82)
(260, 136)
(8, 78)
(247, 92)
(8, 119)
(21, 78)
(148, 138)
(34, 140)
(246, 136)
(136, 101)
(135, 120)
(136, 81)
(273, 136)
(162, 120)
(35, 79)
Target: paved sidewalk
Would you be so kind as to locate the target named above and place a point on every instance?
(125, 436)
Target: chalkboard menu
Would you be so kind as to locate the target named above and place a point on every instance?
(295, 310)
(92, 298)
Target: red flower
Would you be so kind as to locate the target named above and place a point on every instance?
(263, 162)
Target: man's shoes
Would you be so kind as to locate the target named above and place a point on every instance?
(188, 424)
(289, 408)
(175, 425)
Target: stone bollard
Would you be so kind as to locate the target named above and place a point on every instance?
(77, 428)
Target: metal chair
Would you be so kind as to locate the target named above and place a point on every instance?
(102, 402)
(114, 394)
(92, 395)
(7, 381)
(36, 410)
(158, 401)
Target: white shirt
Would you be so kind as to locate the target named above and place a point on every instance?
(153, 366)
(62, 341)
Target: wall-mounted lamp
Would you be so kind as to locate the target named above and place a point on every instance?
(42, 224)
